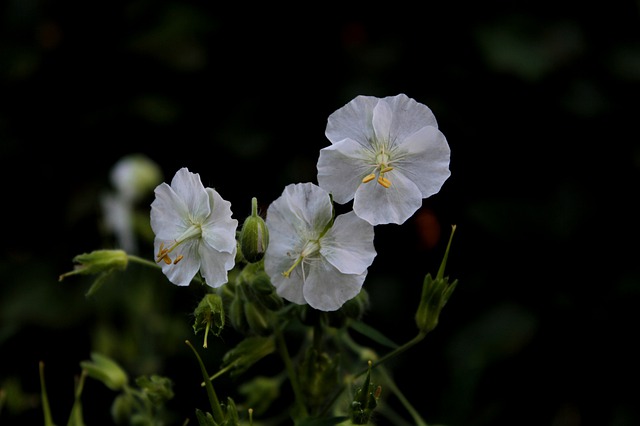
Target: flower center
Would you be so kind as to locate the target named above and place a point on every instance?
(381, 166)
(163, 253)
(310, 248)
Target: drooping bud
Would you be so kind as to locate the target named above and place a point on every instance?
(365, 400)
(105, 370)
(435, 294)
(254, 236)
(209, 315)
(99, 262)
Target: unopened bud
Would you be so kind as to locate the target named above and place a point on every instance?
(106, 370)
(435, 294)
(254, 237)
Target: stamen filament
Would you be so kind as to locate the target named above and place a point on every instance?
(296, 263)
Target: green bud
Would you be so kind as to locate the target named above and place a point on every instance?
(157, 388)
(105, 370)
(254, 237)
(236, 315)
(435, 294)
(365, 400)
(98, 262)
(258, 319)
(209, 315)
(122, 408)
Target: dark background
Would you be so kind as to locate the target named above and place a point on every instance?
(539, 103)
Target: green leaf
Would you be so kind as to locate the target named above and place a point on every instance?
(372, 334)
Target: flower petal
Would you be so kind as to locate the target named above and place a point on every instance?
(289, 288)
(341, 167)
(348, 245)
(352, 121)
(379, 205)
(409, 116)
(219, 229)
(215, 264)
(381, 120)
(189, 188)
(168, 213)
(327, 289)
(183, 272)
(425, 161)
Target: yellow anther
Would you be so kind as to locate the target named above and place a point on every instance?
(386, 169)
(166, 259)
(384, 182)
(178, 259)
(369, 178)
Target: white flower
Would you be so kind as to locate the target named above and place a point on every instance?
(309, 258)
(386, 154)
(193, 230)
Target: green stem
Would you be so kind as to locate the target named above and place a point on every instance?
(293, 377)
(218, 415)
(46, 410)
(397, 351)
(140, 260)
(418, 421)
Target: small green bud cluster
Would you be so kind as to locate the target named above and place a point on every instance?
(229, 414)
(252, 301)
(365, 400)
(435, 294)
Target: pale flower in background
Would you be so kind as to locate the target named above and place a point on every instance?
(193, 230)
(386, 154)
(133, 176)
(311, 260)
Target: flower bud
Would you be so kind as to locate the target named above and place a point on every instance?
(209, 315)
(97, 262)
(105, 370)
(254, 237)
(435, 294)
(157, 388)
(258, 319)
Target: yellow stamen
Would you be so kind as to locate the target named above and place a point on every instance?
(178, 259)
(369, 178)
(386, 169)
(384, 182)
(290, 270)
(166, 259)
